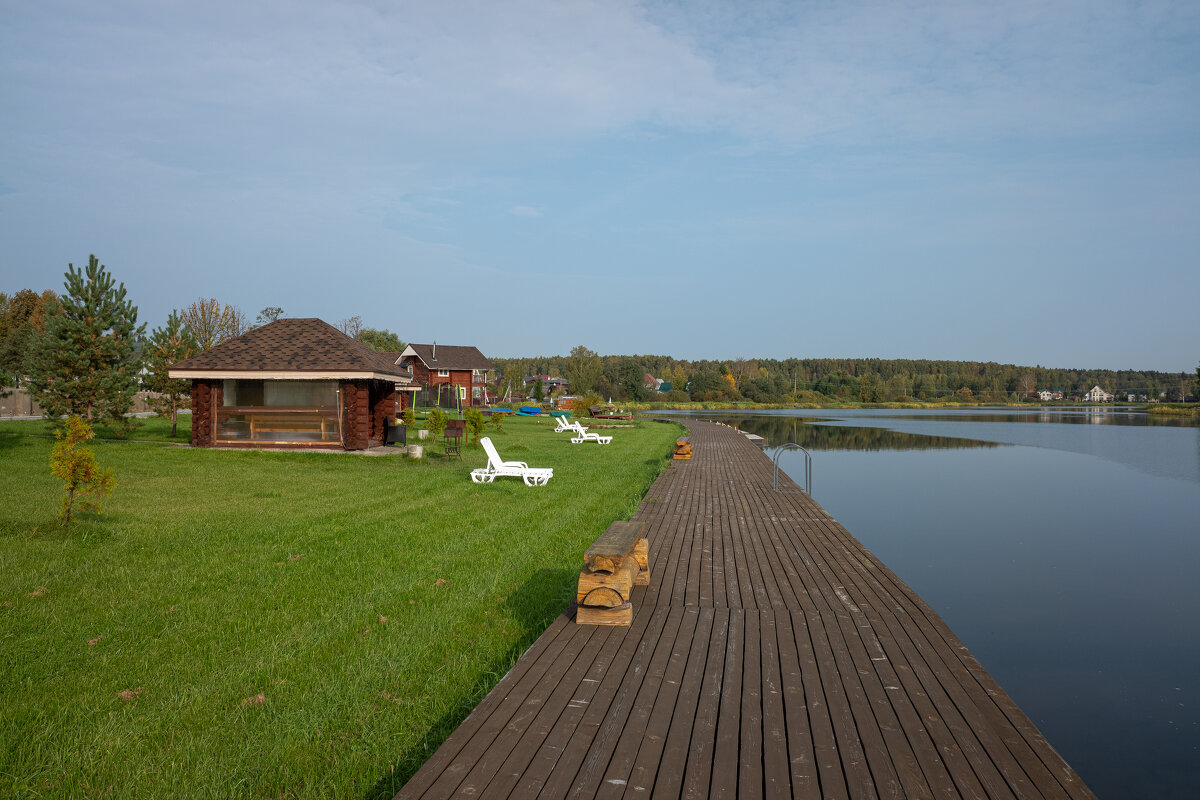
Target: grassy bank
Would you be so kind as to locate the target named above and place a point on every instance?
(1174, 409)
(279, 624)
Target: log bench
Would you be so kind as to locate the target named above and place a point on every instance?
(291, 423)
(612, 566)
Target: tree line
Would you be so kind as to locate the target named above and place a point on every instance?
(83, 352)
(801, 380)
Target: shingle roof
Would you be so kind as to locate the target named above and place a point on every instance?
(294, 345)
(450, 356)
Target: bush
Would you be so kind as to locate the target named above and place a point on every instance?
(474, 419)
(410, 418)
(436, 422)
(581, 404)
(84, 481)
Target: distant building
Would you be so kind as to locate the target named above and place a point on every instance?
(549, 385)
(1097, 395)
(451, 375)
(1046, 395)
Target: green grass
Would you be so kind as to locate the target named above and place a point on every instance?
(240, 623)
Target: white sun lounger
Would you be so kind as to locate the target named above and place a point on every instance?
(496, 467)
(584, 436)
(575, 427)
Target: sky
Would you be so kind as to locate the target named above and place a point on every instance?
(1013, 181)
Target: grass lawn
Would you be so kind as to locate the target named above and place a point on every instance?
(242, 623)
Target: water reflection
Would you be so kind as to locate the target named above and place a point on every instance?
(1097, 415)
(1132, 439)
(809, 433)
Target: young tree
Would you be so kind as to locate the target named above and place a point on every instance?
(436, 423)
(474, 418)
(268, 315)
(351, 326)
(583, 370)
(212, 323)
(85, 361)
(171, 343)
(82, 477)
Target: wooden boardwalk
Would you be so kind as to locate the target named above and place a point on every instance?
(771, 655)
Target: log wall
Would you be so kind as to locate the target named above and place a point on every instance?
(206, 398)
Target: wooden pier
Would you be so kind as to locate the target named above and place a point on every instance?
(771, 655)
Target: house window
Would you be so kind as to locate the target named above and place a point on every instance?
(443, 373)
(292, 412)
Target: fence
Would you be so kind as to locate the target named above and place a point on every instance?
(17, 402)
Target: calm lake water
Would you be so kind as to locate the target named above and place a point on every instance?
(1062, 546)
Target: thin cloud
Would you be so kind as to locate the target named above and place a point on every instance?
(524, 211)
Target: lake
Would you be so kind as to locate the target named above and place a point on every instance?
(1061, 545)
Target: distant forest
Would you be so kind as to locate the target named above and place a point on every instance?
(799, 380)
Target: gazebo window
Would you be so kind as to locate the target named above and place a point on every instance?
(279, 412)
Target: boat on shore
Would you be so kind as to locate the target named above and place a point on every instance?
(609, 412)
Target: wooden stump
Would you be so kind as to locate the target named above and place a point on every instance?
(613, 565)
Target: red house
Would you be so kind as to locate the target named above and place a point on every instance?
(294, 383)
(450, 374)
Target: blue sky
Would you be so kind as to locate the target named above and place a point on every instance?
(1014, 182)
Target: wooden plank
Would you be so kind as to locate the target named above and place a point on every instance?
(630, 735)
(592, 775)
(668, 781)
(700, 750)
(776, 772)
(802, 759)
(649, 756)
(725, 752)
(750, 766)
(570, 738)
(530, 723)
(529, 670)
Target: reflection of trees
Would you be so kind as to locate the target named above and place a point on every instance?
(779, 430)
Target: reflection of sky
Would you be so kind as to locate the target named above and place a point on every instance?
(1171, 452)
(1129, 438)
(1067, 563)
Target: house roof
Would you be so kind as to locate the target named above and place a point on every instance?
(448, 356)
(304, 348)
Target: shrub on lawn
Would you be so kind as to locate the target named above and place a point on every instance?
(84, 481)
(474, 419)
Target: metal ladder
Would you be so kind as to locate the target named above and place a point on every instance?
(807, 467)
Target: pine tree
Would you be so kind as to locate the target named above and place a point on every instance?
(171, 343)
(85, 361)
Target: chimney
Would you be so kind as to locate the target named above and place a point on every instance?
(435, 349)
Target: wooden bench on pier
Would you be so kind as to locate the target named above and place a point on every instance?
(613, 565)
